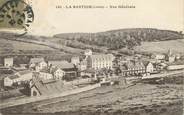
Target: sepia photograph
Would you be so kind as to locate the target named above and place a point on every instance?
(91, 57)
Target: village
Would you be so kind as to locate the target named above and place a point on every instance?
(40, 77)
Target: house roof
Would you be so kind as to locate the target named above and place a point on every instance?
(58, 57)
(146, 62)
(44, 70)
(129, 65)
(8, 58)
(136, 64)
(55, 69)
(23, 72)
(123, 67)
(62, 64)
(13, 77)
(89, 71)
(75, 58)
(36, 60)
(88, 50)
(46, 81)
(47, 87)
(84, 62)
(102, 56)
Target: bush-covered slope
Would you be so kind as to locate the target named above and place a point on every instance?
(116, 39)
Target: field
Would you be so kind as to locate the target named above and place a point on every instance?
(139, 99)
(39, 45)
(162, 46)
(15, 45)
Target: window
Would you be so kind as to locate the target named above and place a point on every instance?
(34, 93)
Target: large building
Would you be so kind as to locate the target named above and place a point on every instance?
(133, 68)
(100, 61)
(37, 64)
(68, 69)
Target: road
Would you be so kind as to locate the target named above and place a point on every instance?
(162, 75)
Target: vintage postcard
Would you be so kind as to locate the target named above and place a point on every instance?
(91, 57)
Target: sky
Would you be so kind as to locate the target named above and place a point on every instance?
(161, 14)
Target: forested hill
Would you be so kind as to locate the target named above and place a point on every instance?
(121, 38)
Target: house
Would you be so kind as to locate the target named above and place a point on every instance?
(41, 65)
(8, 81)
(37, 64)
(75, 60)
(83, 65)
(58, 57)
(161, 66)
(36, 60)
(45, 74)
(39, 86)
(170, 57)
(158, 56)
(60, 64)
(100, 61)
(57, 73)
(88, 52)
(133, 68)
(8, 62)
(69, 68)
(88, 72)
(23, 65)
(18, 78)
(149, 67)
(178, 56)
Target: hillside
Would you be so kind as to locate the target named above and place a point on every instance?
(176, 46)
(76, 43)
(11, 43)
(122, 38)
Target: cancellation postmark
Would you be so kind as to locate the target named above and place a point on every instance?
(16, 14)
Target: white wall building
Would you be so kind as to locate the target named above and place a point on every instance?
(88, 52)
(37, 63)
(45, 75)
(8, 62)
(18, 78)
(75, 60)
(41, 65)
(58, 73)
(100, 61)
(149, 68)
(83, 65)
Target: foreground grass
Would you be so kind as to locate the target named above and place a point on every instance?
(140, 99)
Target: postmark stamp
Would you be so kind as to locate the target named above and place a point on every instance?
(16, 14)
